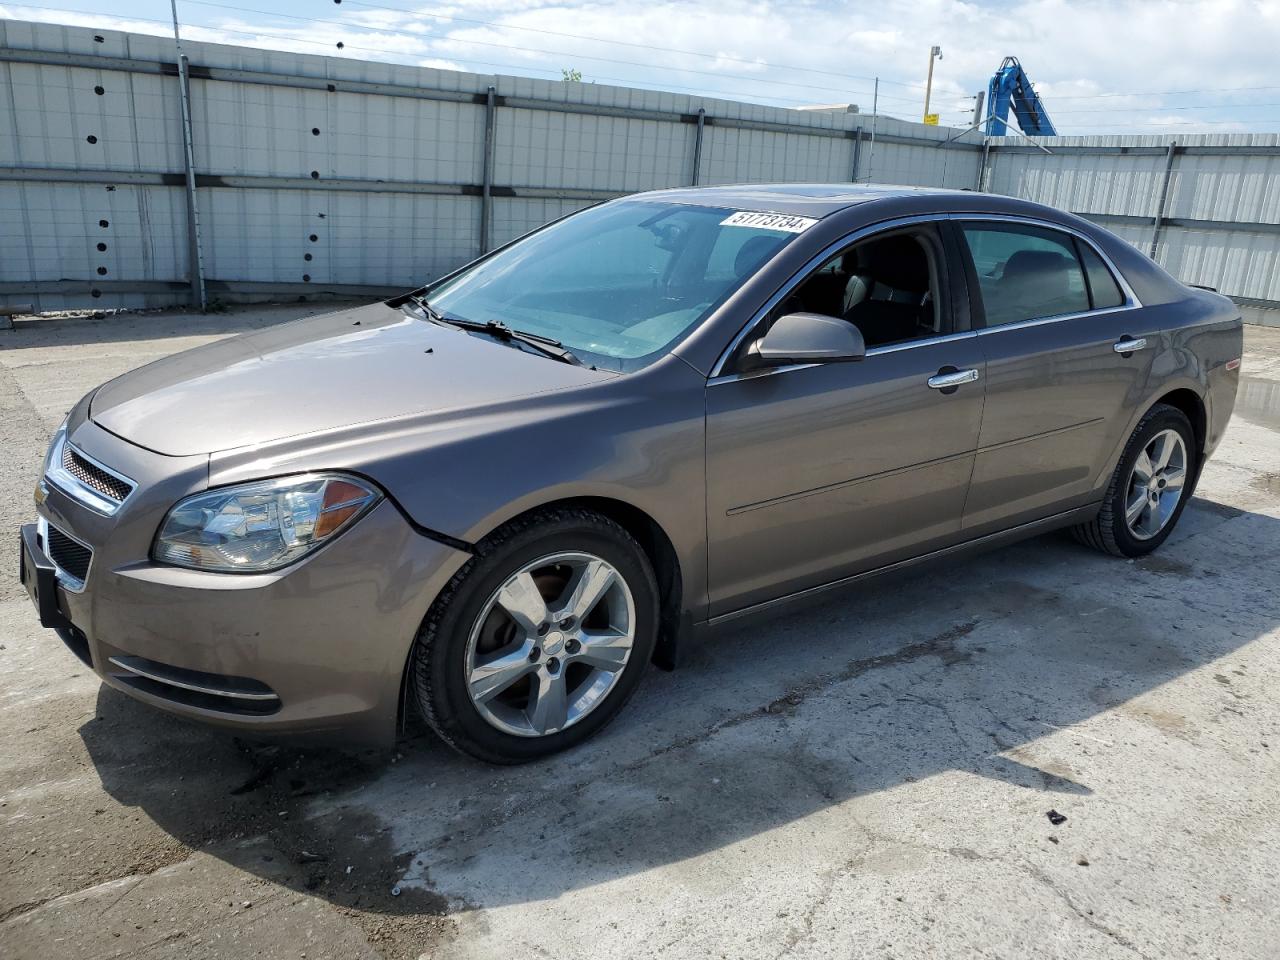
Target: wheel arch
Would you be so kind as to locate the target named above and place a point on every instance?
(674, 618)
(1187, 396)
(662, 555)
(1193, 405)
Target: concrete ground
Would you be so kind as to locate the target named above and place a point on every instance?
(879, 774)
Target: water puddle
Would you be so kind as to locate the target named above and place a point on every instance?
(1258, 401)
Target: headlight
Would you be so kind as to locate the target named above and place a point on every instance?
(261, 526)
(55, 445)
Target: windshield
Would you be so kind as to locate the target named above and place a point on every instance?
(618, 284)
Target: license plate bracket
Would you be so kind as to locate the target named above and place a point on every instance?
(38, 574)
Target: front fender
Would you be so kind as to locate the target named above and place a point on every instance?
(638, 440)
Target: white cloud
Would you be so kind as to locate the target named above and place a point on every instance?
(731, 61)
(1095, 63)
(437, 64)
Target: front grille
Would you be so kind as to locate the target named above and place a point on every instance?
(71, 556)
(93, 476)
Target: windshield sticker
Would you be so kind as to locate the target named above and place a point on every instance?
(768, 221)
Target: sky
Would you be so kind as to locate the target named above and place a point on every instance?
(1118, 67)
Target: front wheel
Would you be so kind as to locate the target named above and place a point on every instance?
(1149, 489)
(540, 639)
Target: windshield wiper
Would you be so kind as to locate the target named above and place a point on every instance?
(497, 329)
(429, 311)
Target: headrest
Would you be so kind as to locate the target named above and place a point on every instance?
(753, 253)
(1037, 275)
(899, 262)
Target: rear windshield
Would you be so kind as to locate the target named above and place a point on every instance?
(621, 283)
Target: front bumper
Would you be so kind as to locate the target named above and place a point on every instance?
(316, 649)
(39, 577)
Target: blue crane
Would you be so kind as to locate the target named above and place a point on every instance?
(1010, 86)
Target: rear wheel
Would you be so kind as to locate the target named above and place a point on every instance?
(540, 639)
(1149, 489)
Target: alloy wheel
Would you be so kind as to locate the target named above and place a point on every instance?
(550, 644)
(1155, 485)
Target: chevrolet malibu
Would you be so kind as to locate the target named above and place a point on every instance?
(496, 499)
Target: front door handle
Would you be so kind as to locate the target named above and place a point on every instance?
(949, 381)
(1127, 345)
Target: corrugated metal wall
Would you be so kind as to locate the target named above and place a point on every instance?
(318, 175)
(1207, 207)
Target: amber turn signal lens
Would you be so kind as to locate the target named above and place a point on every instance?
(342, 501)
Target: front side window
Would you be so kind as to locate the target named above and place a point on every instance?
(620, 283)
(886, 286)
(1025, 272)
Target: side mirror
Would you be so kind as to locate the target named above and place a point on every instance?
(806, 338)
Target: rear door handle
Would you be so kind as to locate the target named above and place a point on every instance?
(1127, 345)
(949, 381)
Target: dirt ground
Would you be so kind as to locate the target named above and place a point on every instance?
(1037, 752)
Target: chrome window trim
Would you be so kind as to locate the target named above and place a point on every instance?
(1131, 299)
(717, 370)
(81, 492)
(927, 342)
(73, 584)
(872, 352)
(1056, 318)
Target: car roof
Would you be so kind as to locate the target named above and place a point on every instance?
(821, 199)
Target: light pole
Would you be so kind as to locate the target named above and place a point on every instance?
(199, 291)
(934, 52)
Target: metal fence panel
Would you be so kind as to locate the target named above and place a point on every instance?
(758, 156)
(1082, 183)
(1218, 226)
(54, 119)
(314, 173)
(319, 237)
(52, 232)
(318, 175)
(537, 148)
(515, 216)
(1240, 188)
(1238, 261)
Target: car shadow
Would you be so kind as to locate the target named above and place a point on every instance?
(958, 668)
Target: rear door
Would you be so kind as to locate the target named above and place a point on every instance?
(1053, 319)
(819, 471)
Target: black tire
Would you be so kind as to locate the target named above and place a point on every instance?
(1108, 531)
(438, 666)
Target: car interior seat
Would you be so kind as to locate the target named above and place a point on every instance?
(888, 290)
(1034, 283)
(858, 282)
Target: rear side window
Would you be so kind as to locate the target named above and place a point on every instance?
(1103, 289)
(1025, 272)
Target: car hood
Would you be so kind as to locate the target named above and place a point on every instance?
(356, 366)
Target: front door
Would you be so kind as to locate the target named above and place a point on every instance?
(821, 471)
